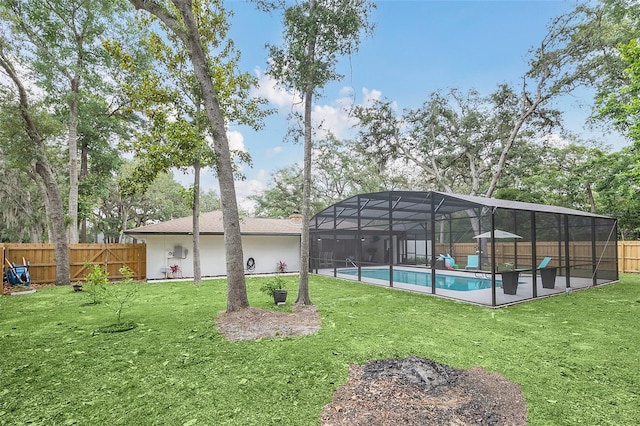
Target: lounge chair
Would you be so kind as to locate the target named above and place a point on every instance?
(472, 262)
(544, 262)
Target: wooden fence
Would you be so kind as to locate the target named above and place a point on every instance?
(580, 252)
(629, 256)
(43, 266)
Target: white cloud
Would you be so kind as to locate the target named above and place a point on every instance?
(235, 138)
(371, 95)
(273, 152)
(277, 96)
(249, 187)
(375, 95)
(236, 141)
(333, 117)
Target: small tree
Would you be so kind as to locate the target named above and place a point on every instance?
(117, 296)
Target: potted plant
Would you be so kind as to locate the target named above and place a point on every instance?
(175, 270)
(275, 287)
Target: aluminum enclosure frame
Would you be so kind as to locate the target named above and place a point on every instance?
(411, 229)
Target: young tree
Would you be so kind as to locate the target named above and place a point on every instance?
(182, 18)
(316, 34)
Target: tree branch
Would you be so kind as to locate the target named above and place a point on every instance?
(171, 21)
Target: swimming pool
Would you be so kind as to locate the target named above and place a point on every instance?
(423, 278)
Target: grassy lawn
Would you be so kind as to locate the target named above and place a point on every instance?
(576, 356)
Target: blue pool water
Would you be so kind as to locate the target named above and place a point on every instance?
(448, 282)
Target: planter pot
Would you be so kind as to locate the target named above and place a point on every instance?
(548, 276)
(280, 297)
(510, 281)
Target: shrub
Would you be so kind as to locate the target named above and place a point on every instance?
(127, 274)
(95, 282)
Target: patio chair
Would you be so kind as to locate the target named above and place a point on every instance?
(544, 263)
(472, 262)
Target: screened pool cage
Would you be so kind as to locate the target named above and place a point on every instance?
(480, 250)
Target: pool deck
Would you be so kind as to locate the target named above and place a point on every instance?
(481, 297)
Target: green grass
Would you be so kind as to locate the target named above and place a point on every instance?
(575, 356)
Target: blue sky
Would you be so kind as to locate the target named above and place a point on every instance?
(418, 47)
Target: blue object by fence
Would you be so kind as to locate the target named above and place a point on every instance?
(18, 275)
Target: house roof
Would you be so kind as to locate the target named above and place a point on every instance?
(211, 224)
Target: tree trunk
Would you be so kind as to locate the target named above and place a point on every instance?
(55, 212)
(592, 200)
(73, 161)
(236, 286)
(124, 216)
(45, 200)
(84, 171)
(303, 286)
(197, 273)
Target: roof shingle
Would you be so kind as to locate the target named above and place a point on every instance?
(211, 224)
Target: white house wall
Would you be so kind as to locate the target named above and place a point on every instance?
(266, 250)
